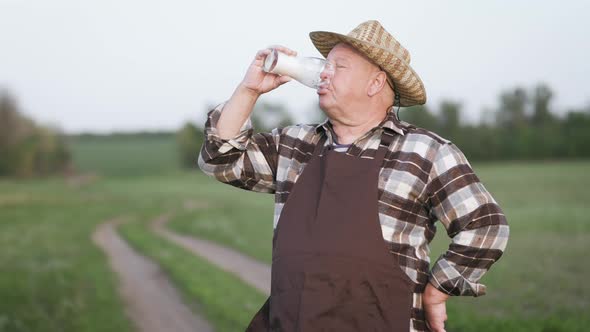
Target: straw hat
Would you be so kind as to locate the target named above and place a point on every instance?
(371, 39)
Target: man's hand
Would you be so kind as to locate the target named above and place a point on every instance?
(435, 308)
(257, 81)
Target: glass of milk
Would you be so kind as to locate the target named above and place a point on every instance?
(310, 71)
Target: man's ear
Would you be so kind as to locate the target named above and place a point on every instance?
(376, 83)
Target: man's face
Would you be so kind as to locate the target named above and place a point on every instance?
(348, 86)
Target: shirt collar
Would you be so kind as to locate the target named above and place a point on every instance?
(390, 122)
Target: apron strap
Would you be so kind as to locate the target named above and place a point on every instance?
(383, 148)
(319, 146)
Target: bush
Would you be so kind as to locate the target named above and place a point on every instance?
(28, 149)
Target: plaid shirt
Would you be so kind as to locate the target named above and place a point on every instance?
(424, 178)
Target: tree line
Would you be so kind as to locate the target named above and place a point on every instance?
(523, 126)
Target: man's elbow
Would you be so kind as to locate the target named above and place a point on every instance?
(503, 233)
(204, 165)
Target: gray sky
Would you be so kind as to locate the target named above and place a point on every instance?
(127, 65)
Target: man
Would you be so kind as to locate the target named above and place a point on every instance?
(357, 196)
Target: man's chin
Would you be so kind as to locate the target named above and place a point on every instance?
(324, 103)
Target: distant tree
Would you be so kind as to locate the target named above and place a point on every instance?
(267, 115)
(576, 133)
(545, 138)
(419, 116)
(541, 100)
(189, 141)
(13, 125)
(27, 149)
(511, 119)
(450, 119)
(481, 142)
(512, 111)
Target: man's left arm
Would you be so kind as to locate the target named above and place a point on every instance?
(475, 223)
(473, 220)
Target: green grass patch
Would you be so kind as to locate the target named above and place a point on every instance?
(52, 277)
(125, 155)
(242, 221)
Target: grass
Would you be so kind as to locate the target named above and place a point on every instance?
(52, 278)
(125, 156)
(240, 220)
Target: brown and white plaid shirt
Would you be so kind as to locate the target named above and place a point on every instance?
(424, 178)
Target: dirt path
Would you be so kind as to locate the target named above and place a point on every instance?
(251, 271)
(151, 301)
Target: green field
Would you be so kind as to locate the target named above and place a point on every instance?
(54, 279)
(130, 155)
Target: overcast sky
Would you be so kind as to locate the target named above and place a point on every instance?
(128, 65)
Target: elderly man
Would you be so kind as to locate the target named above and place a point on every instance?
(357, 196)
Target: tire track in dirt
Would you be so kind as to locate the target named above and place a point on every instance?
(249, 270)
(150, 299)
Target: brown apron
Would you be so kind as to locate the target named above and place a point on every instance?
(331, 268)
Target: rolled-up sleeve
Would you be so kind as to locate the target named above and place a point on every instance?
(473, 220)
(246, 161)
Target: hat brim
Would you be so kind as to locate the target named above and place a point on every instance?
(407, 82)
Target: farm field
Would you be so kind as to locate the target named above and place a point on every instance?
(54, 278)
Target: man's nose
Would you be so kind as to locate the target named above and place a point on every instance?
(328, 71)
